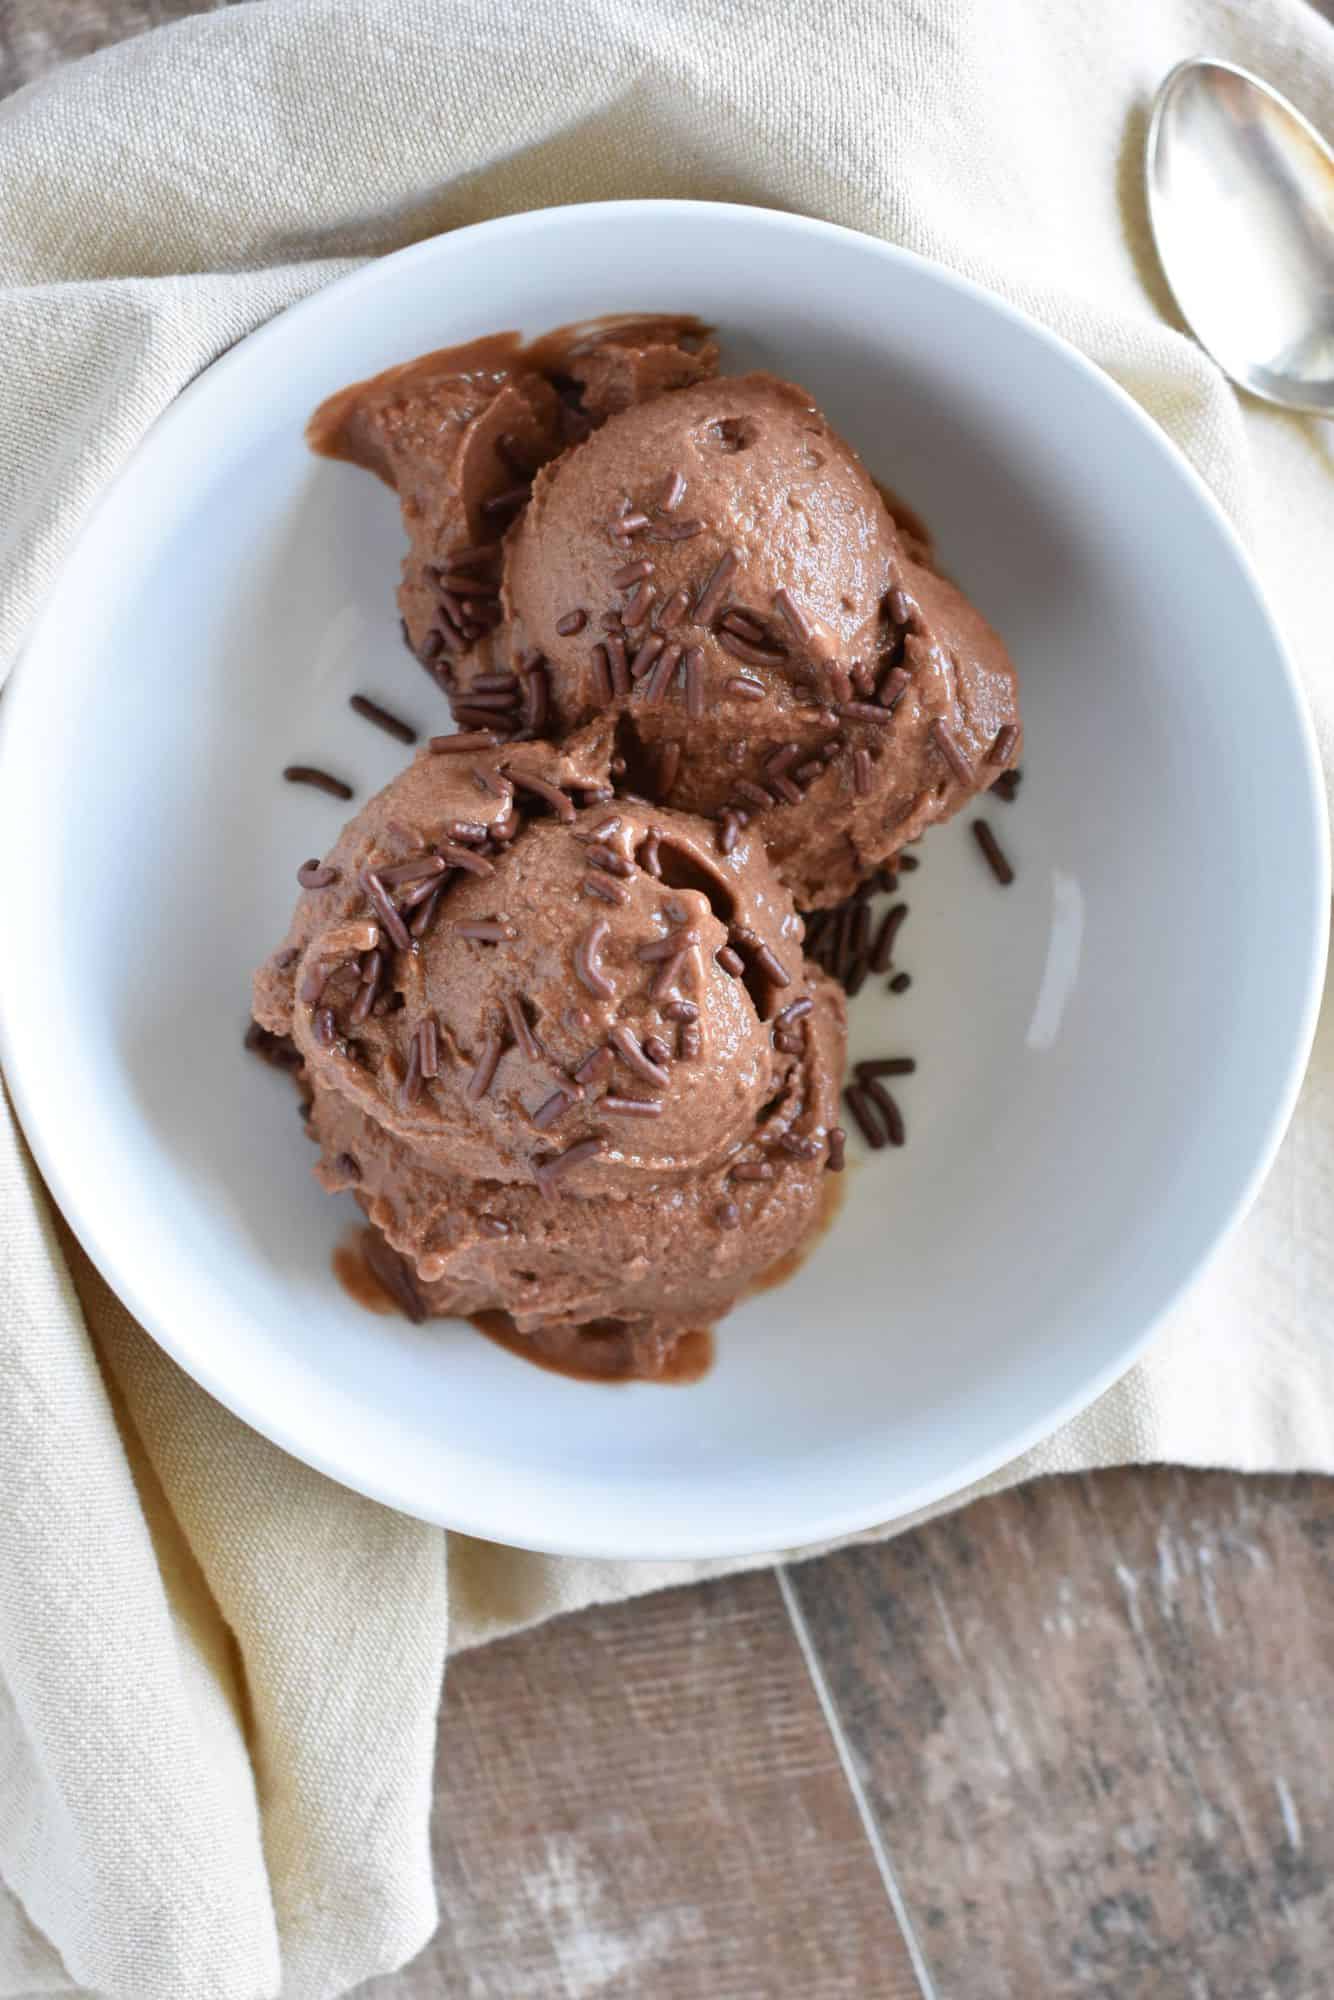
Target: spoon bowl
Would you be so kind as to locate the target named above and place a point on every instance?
(1241, 203)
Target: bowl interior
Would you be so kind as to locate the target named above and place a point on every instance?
(1107, 1051)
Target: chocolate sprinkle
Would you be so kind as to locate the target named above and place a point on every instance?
(605, 888)
(715, 588)
(429, 1037)
(688, 1041)
(325, 1027)
(363, 705)
(667, 947)
(419, 869)
(673, 492)
(887, 1108)
(863, 711)
(859, 1104)
(861, 772)
(638, 605)
(316, 875)
(632, 1107)
(536, 699)
(745, 649)
(572, 622)
(587, 965)
(795, 1010)
(623, 1041)
(659, 680)
(393, 923)
(800, 1148)
(489, 701)
(656, 1049)
(892, 688)
(881, 955)
(507, 502)
(553, 1108)
(616, 660)
(992, 850)
(944, 739)
(1001, 750)
(425, 916)
(560, 802)
(753, 1170)
(487, 933)
(885, 1066)
(900, 982)
(520, 1027)
(491, 783)
(681, 1010)
(744, 688)
(310, 774)
(797, 622)
(473, 555)
(594, 1067)
(727, 1215)
(604, 830)
(646, 655)
(462, 857)
(632, 573)
(669, 974)
(552, 1170)
(673, 610)
(838, 1140)
(467, 739)
(607, 859)
(730, 961)
(601, 676)
(488, 1060)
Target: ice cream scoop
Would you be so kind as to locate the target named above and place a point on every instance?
(459, 435)
(560, 1039)
(716, 568)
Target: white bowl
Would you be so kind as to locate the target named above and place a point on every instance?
(1108, 1051)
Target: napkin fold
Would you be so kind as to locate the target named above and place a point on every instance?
(219, 1672)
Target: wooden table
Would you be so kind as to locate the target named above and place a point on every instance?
(1073, 1741)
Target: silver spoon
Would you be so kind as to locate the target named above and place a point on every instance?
(1241, 202)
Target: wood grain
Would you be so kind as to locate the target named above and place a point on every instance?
(646, 1801)
(1093, 1719)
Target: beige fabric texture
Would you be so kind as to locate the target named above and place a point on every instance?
(219, 1673)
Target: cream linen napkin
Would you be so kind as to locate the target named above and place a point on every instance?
(218, 1672)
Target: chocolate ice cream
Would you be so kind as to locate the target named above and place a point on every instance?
(706, 560)
(547, 993)
(568, 1056)
(459, 434)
